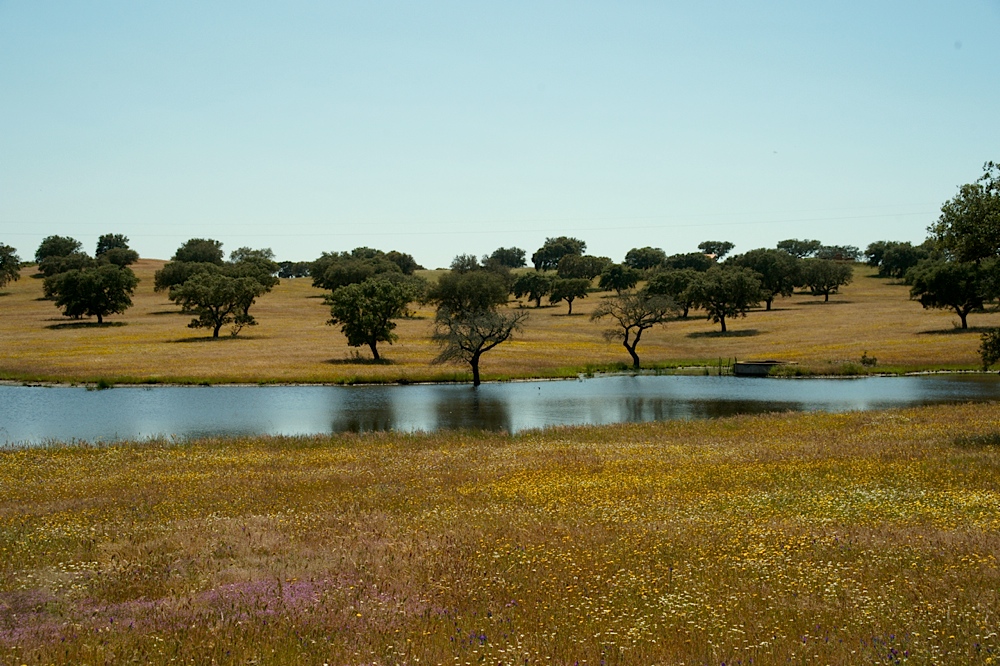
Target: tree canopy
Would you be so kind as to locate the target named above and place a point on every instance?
(777, 271)
(339, 269)
(547, 257)
(969, 226)
(365, 311)
(618, 277)
(176, 273)
(568, 289)
(532, 285)
(511, 257)
(632, 313)
(57, 246)
(675, 283)
(200, 250)
(727, 292)
(217, 300)
(893, 259)
(56, 263)
(962, 286)
(582, 266)
(10, 265)
(472, 291)
(699, 261)
(114, 249)
(95, 291)
(645, 258)
(109, 242)
(800, 248)
(838, 252)
(717, 249)
(825, 276)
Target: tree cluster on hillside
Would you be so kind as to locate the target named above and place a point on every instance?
(85, 286)
(957, 267)
(217, 292)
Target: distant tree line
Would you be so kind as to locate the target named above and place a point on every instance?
(957, 267)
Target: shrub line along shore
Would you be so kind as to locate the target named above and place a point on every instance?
(686, 370)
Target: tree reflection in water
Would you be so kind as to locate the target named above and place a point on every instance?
(472, 410)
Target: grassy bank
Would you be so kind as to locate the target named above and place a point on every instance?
(152, 344)
(823, 538)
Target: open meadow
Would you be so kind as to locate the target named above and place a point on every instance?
(820, 538)
(292, 343)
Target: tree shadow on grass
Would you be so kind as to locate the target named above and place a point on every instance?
(978, 441)
(832, 301)
(86, 324)
(955, 330)
(170, 312)
(208, 338)
(359, 360)
(742, 333)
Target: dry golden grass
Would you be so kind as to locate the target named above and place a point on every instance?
(293, 344)
(810, 539)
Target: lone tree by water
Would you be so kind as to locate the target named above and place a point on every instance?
(633, 313)
(466, 335)
(469, 322)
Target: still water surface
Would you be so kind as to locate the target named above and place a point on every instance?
(33, 415)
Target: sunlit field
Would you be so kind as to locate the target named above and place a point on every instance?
(830, 539)
(292, 343)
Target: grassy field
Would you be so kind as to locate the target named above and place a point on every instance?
(151, 342)
(830, 539)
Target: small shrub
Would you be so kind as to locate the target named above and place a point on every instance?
(868, 361)
(989, 347)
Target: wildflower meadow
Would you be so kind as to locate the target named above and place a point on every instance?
(859, 538)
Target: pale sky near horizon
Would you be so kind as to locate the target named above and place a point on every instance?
(445, 128)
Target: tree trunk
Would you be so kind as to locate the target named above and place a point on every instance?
(215, 332)
(826, 297)
(374, 351)
(722, 320)
(570, 301)
(631, 352)
(474, 362)
(686, 308)
(962, 314)
(100, 320)
(538, 302)
(768, 301)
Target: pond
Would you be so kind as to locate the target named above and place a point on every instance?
(34, 415)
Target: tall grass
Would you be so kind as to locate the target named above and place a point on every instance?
(820, 538)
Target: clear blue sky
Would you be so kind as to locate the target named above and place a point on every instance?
(441, 128)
